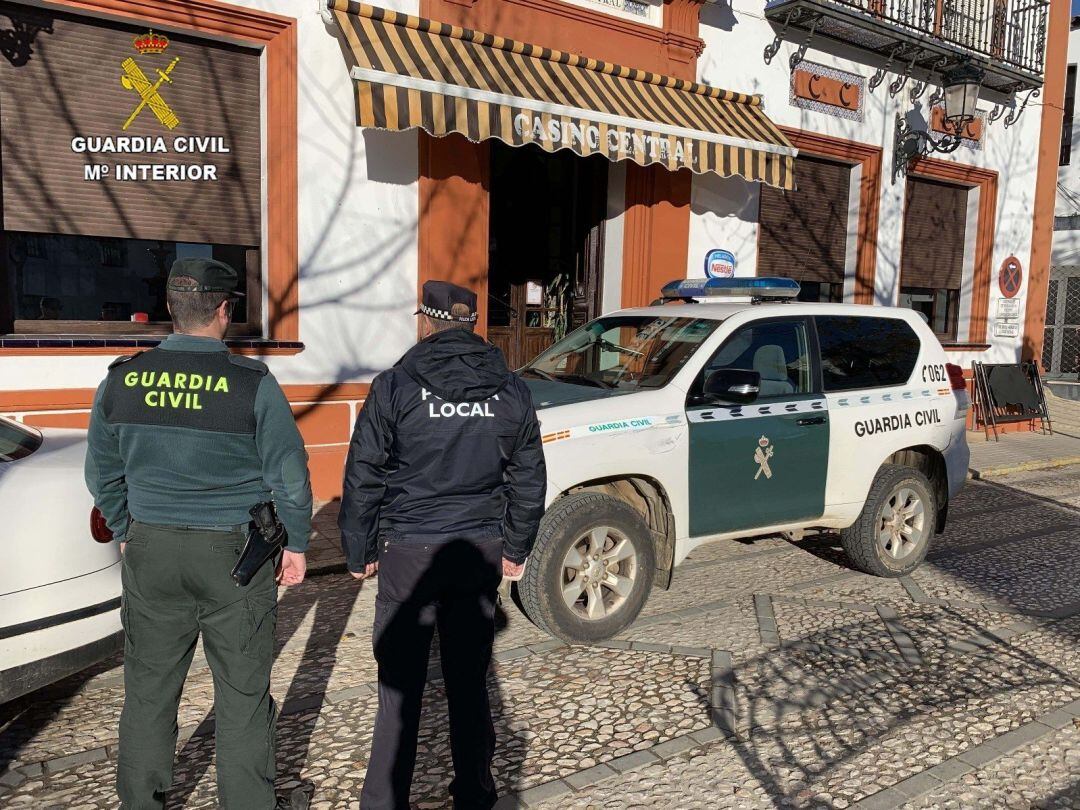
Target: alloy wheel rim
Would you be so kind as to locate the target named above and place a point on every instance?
(901, 524)
(599, 571)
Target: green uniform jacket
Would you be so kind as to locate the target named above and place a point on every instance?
(188, 434)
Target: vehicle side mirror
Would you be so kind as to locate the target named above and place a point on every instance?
(733, 386)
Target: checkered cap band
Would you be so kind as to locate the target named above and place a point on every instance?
(443, 315)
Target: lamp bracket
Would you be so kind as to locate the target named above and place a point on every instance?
(898, 84)
(1014, 116)
(909, 144)
(773, 48)
(800, 53)
(879, 74)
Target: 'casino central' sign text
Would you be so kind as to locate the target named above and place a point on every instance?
(533, 128)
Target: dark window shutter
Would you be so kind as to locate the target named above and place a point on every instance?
(803, 233)
(64, 81)
(935, 220)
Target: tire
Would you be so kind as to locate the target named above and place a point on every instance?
(871, 545)
(581, 521)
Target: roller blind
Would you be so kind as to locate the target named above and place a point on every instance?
(186, 168)
(803, 233)
(935, 220)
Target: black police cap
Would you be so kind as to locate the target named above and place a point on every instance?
(439, 298)
(210, 275)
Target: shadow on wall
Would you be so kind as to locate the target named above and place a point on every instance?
(719, 15)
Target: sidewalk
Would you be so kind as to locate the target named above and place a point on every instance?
(1016, 452)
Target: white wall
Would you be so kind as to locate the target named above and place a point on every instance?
(723, 214)
(359, 209)
(614, 229)
(735, 38)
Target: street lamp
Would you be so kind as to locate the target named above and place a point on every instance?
(960, 85)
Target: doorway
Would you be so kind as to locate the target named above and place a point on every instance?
(546, 247)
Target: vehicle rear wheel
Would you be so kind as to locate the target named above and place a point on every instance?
(892, 535)
(591, 569)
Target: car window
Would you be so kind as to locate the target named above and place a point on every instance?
(864, 352)
(17, 441)
(778, 351)
(623, 351)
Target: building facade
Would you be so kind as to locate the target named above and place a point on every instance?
(561, 157)
(1061, 342)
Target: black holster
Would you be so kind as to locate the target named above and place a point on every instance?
(266, 537)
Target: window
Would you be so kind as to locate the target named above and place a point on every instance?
(803, 234)
(932, 255)
(863, 352)
(87, 282)
(939, 307)
(113, 253)
(777, 350)
(625, 352)
(1067, 119)
(17, 441)
(108, 177)
(820, 292)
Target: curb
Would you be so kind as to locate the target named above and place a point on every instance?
(1027, 466)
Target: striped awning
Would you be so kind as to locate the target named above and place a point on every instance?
(412, 72)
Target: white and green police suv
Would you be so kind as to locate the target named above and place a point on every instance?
(731, 411)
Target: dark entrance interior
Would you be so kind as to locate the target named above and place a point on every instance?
(546, 247)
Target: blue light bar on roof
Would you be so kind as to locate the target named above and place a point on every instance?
(762, 288)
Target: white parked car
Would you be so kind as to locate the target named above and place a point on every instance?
(673, 425)
(59, 587)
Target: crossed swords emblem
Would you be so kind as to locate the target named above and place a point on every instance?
(762, 455)
(135, 79)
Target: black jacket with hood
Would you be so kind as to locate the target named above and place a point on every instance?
(446, 446)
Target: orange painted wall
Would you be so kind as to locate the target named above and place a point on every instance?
(324, 413)
(454, 203)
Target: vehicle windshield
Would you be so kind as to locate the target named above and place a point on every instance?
(624, 352)
(17, 441)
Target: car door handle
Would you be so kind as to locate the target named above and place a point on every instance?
(812, 420)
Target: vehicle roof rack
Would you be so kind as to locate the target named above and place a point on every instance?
(758, 289)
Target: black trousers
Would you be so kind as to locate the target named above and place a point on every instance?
(452, 585)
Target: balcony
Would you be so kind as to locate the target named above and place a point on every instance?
(1007, 38)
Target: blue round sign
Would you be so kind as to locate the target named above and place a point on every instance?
(719, 263)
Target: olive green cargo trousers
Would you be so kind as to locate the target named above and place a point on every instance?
(176, 586)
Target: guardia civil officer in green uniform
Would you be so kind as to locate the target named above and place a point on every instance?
(184, 440)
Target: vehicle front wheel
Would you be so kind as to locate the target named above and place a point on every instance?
(591, 569)
(892, 535)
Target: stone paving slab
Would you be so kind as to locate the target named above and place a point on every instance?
(771, 675)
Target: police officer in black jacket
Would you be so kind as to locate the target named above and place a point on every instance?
(444, 489)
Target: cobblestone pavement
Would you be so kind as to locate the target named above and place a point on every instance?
(770, 675)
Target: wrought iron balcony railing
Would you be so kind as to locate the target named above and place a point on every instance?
(1006, 37)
